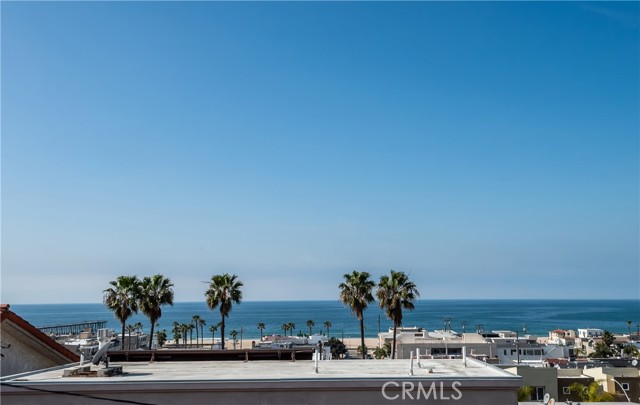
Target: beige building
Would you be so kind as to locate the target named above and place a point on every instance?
(25, 348)
(621, 381)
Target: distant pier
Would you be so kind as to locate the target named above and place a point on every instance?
(73, 328)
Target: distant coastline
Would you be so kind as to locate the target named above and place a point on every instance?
(533, 316)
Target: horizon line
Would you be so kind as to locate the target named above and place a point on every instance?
(328, 300)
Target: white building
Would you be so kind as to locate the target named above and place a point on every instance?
(590, 333)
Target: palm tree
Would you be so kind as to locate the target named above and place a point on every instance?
(176, 332)
(629, 327)
(190, 328)
(355, 292)
(394, 293)
(310, 324)
(224, 290)
(138, 329)
(291, 326)
(162, 337)
(122, 299)
(213, 329)
(156, 292)
(234, 335)
(327, 324)
(201, 323)
(261, 326)
(285, 328)
(195, 321)
(184, 328)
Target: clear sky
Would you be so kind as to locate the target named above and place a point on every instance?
(491, 150)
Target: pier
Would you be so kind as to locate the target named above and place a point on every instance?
(73, 328)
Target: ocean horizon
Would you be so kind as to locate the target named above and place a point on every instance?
(536, 317)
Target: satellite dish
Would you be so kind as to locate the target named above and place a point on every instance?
(634, 362)
(546, 398)
(102, 352)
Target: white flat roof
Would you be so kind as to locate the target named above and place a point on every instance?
(194, 371)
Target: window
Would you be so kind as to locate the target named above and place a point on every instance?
(565, 390)
(625, 386)
(537, 394)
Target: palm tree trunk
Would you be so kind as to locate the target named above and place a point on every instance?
(222, 333)
(393, 346)
(364, 352)
(122, 343)
(153, 323)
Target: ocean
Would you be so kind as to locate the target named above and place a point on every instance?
(537, 316)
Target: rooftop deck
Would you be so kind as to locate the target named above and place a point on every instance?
(272, 382)
(280, 370)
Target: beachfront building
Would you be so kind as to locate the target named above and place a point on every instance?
(275, 382)
(527, 350)
(588, 339)
(498, 347)
(562, 337)
(440, 345)
(25, 348)
(590, 333)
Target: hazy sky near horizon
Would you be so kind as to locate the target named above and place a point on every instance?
(491, 150)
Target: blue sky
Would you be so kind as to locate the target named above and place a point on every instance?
(491, 150)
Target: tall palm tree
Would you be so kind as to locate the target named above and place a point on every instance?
(291, 326)
(310, 324)
(355, 292)
(122, 299)
(201, 323)
(629, 327)
(285, 328)
(327, 324)
(184, 328)
(224, 291)
(156, 292)
(195, 321)
(261, 326)
(396, 292)
(213, 329)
